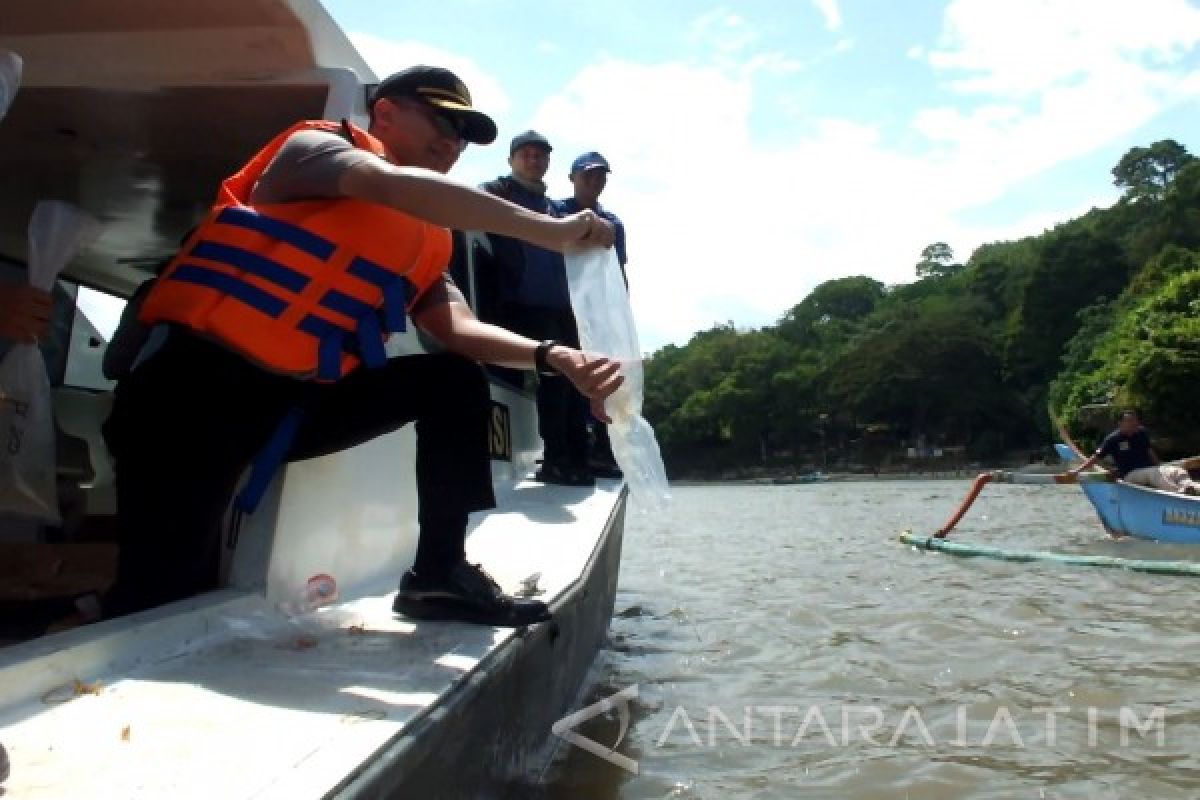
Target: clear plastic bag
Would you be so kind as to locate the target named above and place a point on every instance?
(10, 79)
(605, 321)
(27, 458)
(57, 231)
(27, 465)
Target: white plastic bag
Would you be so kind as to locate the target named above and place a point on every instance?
(10, 79)
(27, 468)
(57, 231)
(27, 459)
(605, 321)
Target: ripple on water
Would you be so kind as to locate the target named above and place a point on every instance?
(791, 604)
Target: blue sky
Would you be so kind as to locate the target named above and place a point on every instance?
(759, 148)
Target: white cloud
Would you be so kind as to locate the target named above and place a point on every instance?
(725, 40)
(830, 11)
(724, 226)
(1021, 47)
(773, 63)
(1040, 83)
(718, 227)
(723, 31)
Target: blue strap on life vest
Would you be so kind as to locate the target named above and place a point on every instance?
(329, 356)
(345, 304)
(331, 343)
(395, 301)
(369, 271)
(370, 341)
(267, 461)
(364, 339)
(251, 295)
(304, 240)
(247, 261)
(397, 291)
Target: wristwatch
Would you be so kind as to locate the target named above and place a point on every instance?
(539, 357)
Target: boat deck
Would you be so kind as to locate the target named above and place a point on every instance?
(226, 696)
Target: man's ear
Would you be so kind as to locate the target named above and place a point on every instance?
(385, 113)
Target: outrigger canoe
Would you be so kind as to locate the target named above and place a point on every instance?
(1129, 510)
(1124, 510)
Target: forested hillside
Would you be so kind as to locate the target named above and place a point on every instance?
(1102, 311)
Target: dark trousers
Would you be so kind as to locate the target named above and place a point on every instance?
(601, 445)
(187, 423)
(562, 411)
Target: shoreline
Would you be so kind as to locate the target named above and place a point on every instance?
(858, 477)
(829, 478)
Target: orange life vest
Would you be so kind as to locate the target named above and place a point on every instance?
(307, 289)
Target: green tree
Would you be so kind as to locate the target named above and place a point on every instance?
(1075, 268)
(845, 298)
(1180, 214)
(1146, 172)
(936, 373)
(937, 260)
(996, 274)
(1148, 357)
(830, 311)
(1104, 308)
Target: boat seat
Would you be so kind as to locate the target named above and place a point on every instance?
(73, 459)
(80, 415)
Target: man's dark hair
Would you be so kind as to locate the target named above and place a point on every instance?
(1129, 412)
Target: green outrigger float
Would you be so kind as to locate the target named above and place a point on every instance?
(943, 545)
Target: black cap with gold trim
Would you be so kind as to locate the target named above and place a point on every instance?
(442, 89)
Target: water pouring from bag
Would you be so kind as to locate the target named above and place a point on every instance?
(605, 322)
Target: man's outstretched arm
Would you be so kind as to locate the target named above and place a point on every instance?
(444, 314)
(443, 201)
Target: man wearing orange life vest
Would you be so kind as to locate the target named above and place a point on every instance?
(275, 312)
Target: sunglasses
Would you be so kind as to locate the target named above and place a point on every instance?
(447, 125)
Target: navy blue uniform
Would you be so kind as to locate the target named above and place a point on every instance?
(1128, 452)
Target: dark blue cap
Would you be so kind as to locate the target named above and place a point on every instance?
(590, 160)
(441, 89)
(529, 137)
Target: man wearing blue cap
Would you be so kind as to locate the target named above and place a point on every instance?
(533, 300)
(589, 176)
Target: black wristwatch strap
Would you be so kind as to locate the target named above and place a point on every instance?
(539, 357)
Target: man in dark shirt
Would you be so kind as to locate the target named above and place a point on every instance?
(589, 175)
(1137, 463)
(534, 302)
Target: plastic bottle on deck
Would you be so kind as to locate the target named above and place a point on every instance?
(319, 590)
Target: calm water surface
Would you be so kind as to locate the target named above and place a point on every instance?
(784, 644)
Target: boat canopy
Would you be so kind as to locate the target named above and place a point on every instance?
(135, 111)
